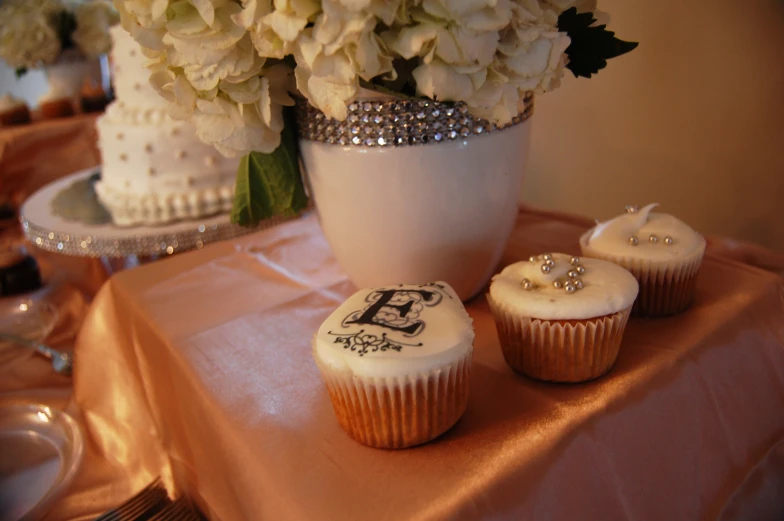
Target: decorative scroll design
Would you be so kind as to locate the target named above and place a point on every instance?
(363, 343)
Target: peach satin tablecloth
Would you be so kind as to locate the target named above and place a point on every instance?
(100, 484)
(199, 368)
(33, 155)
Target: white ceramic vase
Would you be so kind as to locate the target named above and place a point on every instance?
(411, 212)
(68, 74)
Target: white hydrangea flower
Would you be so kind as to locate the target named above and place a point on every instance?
(238, 115)
(455, 41)
(531, 52)
(234, 129)
(28, 37)
(335, 53)
(145, 20)
(220, 61)
(93, 20)
(275, 29)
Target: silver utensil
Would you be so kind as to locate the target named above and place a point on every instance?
(148, 502)
(62, 362)
(180, 510)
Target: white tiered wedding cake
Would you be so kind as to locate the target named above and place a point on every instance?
(155, 169)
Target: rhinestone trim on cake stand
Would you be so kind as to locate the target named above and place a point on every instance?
(52, 233)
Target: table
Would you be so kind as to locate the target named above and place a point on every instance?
(198, 368)
(33, 155)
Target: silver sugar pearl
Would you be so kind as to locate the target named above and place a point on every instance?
(653, 239)
(579, 269)
(570, 288)
(557, 284)
(633, 240)
(550, 262)
(526, 284)
(632, 208)
(668, 240)
(578, 284)
(574, 261)
(572, 274)
(545, 268)
(532, 258)
(547, 256)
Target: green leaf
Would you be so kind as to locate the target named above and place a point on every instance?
(270, 185)
(591, 45)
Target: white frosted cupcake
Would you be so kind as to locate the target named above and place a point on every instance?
(561, 318)
(662, 252)
(13, 111)
(397, 362)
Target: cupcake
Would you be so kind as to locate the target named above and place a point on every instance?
(396, 362)
(561, 318)
(94, 99)
(19, 271)
(55, 105)
(662, 252)
(13, 111)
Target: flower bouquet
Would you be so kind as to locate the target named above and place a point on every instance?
(234, 67)
(36, 33)
(411, 117)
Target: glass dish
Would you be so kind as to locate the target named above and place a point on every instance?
(41, 452)
(26, 318)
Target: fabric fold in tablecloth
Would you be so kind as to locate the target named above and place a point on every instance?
(199, 367)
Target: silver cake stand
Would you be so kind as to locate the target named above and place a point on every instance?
(53, 233)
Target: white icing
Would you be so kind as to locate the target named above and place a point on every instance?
(443, 332)
(612, 237)
(147, 177)
(607, 288)
(131, 78)
(7, 101)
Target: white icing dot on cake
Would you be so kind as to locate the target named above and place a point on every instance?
(600, 288)
(640, 233)
(396, 331)
(141, 143)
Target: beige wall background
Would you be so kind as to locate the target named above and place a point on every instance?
(692, 119)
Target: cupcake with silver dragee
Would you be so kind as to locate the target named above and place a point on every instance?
(396, 362)
(561, 318)
(661, 251)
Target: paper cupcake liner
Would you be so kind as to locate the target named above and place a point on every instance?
(666, 288)
(560, 350)
(15, 116)
(395, 413)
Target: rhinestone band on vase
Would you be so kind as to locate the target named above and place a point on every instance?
(397, 123)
